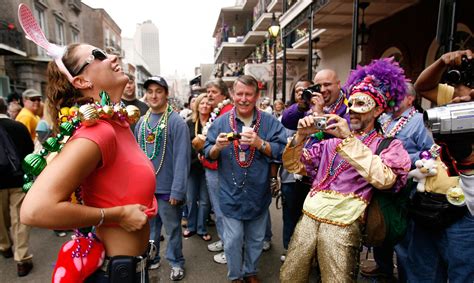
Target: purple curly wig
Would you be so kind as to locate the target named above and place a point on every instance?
(382, 79)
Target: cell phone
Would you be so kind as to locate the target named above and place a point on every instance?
(122, 269)
(233, 136)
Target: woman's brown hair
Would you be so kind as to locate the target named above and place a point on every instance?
(59, 91)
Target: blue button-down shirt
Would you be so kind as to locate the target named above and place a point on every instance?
(251, 196)
(414, 135)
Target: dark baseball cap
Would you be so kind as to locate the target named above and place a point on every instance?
(157, 80)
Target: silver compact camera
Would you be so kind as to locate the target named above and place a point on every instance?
(320, 123)
(450, 119)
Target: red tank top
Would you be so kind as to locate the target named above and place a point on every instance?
(125, 175)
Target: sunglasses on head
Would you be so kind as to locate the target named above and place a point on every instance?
(34, 99)
(95, 54)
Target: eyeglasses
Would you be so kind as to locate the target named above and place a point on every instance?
(96, 54)
(34, 99)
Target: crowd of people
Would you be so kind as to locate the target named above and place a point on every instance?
(128, 168)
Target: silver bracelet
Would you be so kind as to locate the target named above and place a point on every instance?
(102, 217)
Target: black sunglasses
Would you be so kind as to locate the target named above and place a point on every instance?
(34, 99)
(96, 54)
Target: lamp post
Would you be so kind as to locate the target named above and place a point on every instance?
(274, 30)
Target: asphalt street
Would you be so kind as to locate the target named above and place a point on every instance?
(199, 265)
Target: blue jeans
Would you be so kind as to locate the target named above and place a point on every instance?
(171, 218)
(436, 256)
(268, 228)
(212, 178)
(243, 244)
(293, 196)
(198, 203)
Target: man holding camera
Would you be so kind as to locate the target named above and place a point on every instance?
(244, 141)
(445, 253)
(428, 83)
(325, 97)
(345, 170)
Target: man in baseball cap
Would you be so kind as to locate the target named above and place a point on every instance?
(28, 116)
(157, 80)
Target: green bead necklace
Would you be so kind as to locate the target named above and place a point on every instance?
(154, 135)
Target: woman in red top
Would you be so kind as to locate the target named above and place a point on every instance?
(116, 178)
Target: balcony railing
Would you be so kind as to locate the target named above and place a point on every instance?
(260, 8)
(230, 35)
(12, 38)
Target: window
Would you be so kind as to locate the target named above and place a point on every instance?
(75, 37)
(107, 37)
(39, 15)
(60, 37)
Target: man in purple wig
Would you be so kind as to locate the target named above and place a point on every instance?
(345, 170)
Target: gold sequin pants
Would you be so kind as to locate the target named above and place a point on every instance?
(336, 249)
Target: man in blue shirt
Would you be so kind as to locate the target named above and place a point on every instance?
(164, 137)
(244, 141)
(405, 124)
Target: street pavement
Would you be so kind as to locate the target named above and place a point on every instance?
(199, 266)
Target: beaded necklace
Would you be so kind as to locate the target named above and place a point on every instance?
(214, 114)
(153, 135)
(70, 120)
(238, 152)
(162, 131)
(333, 172)
(402, 122)
(331, 109)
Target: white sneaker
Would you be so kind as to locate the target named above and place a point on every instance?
(155, 265)
(267, 245)
(216, 246)
(220, 258)
(177, 273)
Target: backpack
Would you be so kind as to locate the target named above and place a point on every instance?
(386, 221)
(10, 161)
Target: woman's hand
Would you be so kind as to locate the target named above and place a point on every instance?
(133, 217)
(338, 126)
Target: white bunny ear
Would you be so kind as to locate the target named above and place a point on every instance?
(34, 33)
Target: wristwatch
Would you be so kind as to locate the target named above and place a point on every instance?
(263, 147)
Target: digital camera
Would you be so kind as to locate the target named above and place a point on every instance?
(462, 74)
(233, 136)
(450, 119)
(320, 123)
(308, 93)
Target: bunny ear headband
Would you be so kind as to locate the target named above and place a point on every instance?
(34, 33)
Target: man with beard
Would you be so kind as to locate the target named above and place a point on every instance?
(244, 141)
(345, 170)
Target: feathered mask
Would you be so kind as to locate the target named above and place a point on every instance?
(382, 79)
